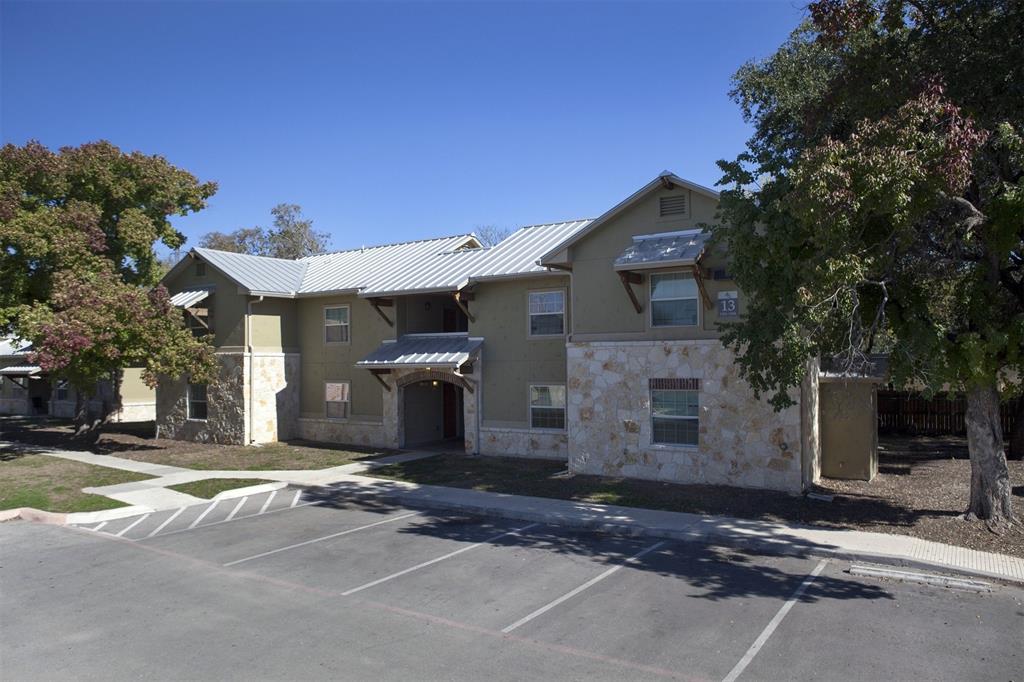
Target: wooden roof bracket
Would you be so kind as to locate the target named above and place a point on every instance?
(377, 373)
(379, 303)
(18, 383)
(628, 279)
(698, 276)
(460, 297)
(559, 266)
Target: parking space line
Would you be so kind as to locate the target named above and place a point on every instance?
(133, 524)
(590, 583)
(434, 561)
(167, 522)
(321, 539)
(295, 501)
(237, 507)
(203, 515)
(266, 503)
(240, 518)
(100, 527)
(738, 669)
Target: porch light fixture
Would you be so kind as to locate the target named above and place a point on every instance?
(435, 383)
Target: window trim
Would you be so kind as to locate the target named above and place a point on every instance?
(660, 444)
(530, 407)
(651, 300)
(189, 401)
(529, 316)
(348, 325)
(346, 403)
(62, 385)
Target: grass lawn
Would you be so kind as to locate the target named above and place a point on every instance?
(921, 490)
(54, 484)
(294, 455)
(210, 487)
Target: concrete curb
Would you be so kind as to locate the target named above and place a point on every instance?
(107, 514)
(250, 490)
(776, 547)
(33, 515)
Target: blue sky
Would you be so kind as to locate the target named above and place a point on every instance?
(392, 121)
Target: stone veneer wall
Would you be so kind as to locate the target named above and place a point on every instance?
(225, 422)
(513, 442)
(742, 441)
(375, 433)
(276, 379)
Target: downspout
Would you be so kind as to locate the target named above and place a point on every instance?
(252, 375)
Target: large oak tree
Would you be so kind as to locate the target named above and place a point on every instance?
(880, 206)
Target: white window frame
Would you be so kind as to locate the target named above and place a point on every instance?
(530, 314)
(189, 400)
(651, 300)
(531, 407)
(347, 325)
(347, 403)
(695, 419)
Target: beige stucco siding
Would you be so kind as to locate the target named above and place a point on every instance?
(603, 309)
(274, 325)
(134, 389)
(334, 362)
(512, 360)
(228, 303)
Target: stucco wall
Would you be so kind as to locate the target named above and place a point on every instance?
(335, 362)
(603, 309)
(229, 306)
(742, 441)
(274, 325)
(511, 359)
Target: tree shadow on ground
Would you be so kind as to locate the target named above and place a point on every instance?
(710, 572)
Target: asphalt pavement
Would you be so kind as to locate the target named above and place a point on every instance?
(284, 587)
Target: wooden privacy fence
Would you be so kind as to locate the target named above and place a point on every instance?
(900, 412)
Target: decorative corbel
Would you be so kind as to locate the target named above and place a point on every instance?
(628, 279)
(460, 298)
(379, 303)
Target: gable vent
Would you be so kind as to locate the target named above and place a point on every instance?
(672, 205)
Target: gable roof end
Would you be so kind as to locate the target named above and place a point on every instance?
(665, 177)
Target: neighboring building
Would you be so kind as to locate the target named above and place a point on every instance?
(25, 389)
(592, 341)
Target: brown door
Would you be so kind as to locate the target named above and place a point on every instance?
(451, 423)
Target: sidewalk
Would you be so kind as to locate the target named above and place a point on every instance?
(760, 536)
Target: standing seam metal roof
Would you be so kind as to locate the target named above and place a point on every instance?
(424, 350)
(441, 264)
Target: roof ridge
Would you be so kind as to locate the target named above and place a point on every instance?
(247, 255)
(383, 246)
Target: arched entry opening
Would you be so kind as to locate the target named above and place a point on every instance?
(432, 410)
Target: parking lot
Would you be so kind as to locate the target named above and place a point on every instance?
(281, 586)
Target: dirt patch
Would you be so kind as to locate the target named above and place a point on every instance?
(921, 491)
(137, 442)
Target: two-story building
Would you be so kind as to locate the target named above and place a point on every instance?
(591, 341)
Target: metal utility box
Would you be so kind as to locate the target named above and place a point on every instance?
(849, 428)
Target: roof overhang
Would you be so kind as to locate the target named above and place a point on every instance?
(424, 351)
(187, 298)
(21, 370)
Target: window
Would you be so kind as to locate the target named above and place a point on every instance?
(62, 390)
(547, 407)
(197, 401)
(547, 313)
(336, 400)
(200, 269)
(675, 412)
(673, 300)
(336, 324)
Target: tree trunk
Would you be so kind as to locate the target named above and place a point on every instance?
(1017, 435)
(990, 479)
(81, 414)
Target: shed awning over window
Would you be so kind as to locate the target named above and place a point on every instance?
(20, 370)
(443, 351)
(663, 250)
(189, 297)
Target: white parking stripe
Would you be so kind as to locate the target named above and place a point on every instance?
(268, 500)
(774, 623)
(434, 561)
(165, 523)
(203, 515)
(298, 494)
(237, 507)
(590, 583)
(100, 527)
(326, 537)
(133, 524)
(241, 518)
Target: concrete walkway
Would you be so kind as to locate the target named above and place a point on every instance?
(761, 536)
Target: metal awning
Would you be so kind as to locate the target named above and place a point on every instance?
(20, 370)
(663, 250)
(189, 297)
(443, 351)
